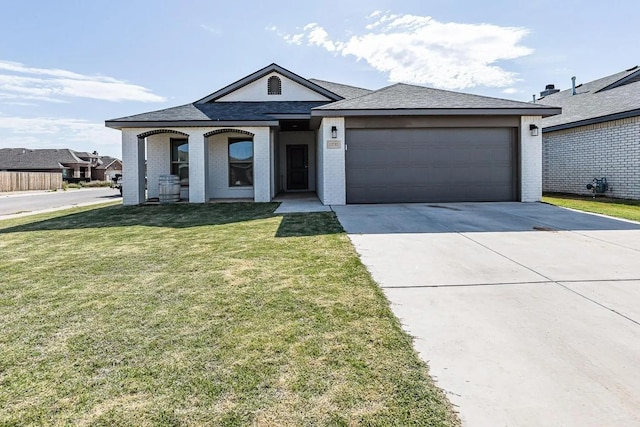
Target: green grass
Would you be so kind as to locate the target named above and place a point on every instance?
(620, 208)
(188, 315)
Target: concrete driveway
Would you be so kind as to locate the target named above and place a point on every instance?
(527, 314)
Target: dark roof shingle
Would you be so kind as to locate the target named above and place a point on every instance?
(345, 91)
(403, 96)
(225, 111)
(41, 159)
(593, 100)
(107, 161)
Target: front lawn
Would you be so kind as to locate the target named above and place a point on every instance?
(221, 315)
(620, 208)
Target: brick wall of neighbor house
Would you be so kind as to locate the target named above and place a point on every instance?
(530, 160)
(158, 160)
(573, 157)
(332, 179)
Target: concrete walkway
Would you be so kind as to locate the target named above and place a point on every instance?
(299, 203)
(528, 314)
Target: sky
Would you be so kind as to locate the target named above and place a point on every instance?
(67, 66)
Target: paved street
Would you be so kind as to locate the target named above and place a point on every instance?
(527, 314)
(37, 201)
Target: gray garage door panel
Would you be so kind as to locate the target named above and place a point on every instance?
(431, 165)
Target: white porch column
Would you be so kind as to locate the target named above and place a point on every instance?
(198, 167)
(530, 160)
(333, 187)
(132, 168)
(262, 165)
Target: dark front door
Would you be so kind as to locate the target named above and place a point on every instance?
(297, 167)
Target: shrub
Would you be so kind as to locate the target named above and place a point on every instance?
(93, 184)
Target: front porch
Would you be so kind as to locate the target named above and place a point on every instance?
(219, 164)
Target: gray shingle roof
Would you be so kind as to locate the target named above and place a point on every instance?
(107, 161)
(344, 91)
(592, 102)
(42, 159)
(225, 111)
(410, 97)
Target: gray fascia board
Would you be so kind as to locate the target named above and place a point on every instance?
(291, 116)
(593, 121)
(196, 123)
(544, 112)
(263, 72)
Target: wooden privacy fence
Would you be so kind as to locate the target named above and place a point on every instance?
(25, 181)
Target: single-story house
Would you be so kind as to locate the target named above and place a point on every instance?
(73, 165)
(596, 136)
(274, 131)
(107, 169)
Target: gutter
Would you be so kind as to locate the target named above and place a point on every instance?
(592, 121)
(544, 112)
(114, 124)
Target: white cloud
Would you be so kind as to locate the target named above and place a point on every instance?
(18, 81)
(316, 35)
(210, 29)
(41, 132)
(511, 90)
(419, 49)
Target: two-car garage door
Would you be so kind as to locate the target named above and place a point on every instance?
(431, 165)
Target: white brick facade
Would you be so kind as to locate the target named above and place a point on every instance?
(158, 160)
(331, 185)
(219, 169)
(208, 164)
(573, 157)
(530, 160)
(132, 167)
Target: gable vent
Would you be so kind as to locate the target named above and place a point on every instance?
(274, 86)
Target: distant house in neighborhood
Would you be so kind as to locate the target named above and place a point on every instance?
(274, 131)
(74, 166)
(597, 135)
(107, 169)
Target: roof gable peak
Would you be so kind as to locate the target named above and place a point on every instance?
(269, 69)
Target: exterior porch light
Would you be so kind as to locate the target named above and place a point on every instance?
(334, 132)
(534, 130)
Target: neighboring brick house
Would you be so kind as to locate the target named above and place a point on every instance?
(74, 166)
(274, 131)
(597, 135)
(107, 169)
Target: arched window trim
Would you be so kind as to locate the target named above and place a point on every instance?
(274, 86)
